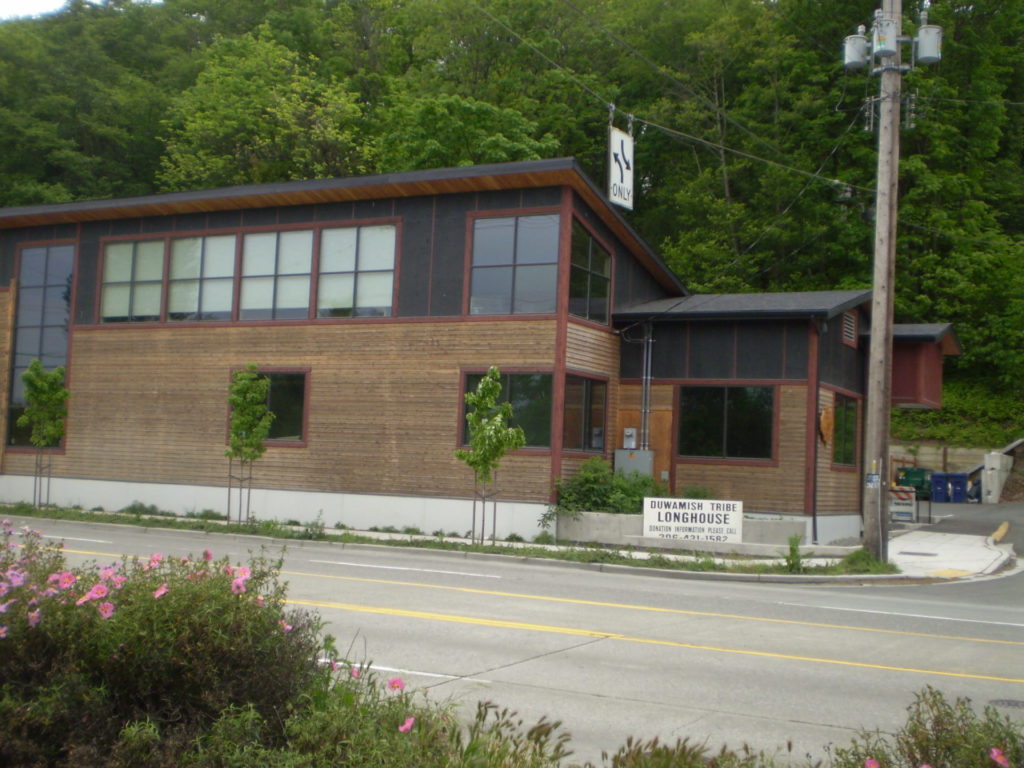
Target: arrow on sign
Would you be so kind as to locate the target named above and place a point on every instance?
(620, 160)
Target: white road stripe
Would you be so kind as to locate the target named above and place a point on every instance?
(903, 615)
(399, 568)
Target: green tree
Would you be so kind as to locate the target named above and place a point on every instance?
(46, 408)
(251, 418)
(258, 114)
(443, 131)
(490, 437)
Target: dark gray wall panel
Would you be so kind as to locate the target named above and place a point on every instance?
(417, 214)
(711, 350)
(759, 350)
(449, 257)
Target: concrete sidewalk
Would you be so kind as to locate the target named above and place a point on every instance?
(927, 554)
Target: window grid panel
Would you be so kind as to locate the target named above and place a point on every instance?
(359, 281)
(41, 322)
(133, 280)
(514, 265)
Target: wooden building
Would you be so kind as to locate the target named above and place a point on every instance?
(372, 303)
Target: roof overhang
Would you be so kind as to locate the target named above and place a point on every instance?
(800, 305)
(557, 172)
(929, 333)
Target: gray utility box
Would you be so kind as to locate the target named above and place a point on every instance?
(634, 461)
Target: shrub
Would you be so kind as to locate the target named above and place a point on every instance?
(94, 657)
(940, 734)
(596, 487)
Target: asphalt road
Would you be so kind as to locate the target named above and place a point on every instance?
(613, 655)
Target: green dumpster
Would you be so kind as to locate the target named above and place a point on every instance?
(918, 478)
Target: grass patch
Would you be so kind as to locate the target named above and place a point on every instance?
(857, 563)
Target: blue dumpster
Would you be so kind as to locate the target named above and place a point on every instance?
(958, 487)
(940, 487)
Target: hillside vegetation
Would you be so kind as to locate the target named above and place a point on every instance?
(754, 169)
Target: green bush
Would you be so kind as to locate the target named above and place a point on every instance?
(596, 487)
(94, 657)
(942, 735)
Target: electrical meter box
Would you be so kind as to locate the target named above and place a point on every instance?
(629, 438)
(634, 461)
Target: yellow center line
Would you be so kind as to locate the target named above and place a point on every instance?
(620, 606)
(429, 616)
(653, 609)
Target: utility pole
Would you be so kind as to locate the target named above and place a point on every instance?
(879, 389)
(886, 40)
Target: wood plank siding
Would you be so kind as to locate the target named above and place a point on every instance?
(384, 408)
(838, 487)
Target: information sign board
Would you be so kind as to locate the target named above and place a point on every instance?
(693, 519)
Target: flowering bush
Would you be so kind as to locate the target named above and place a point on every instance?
(173, 643)
(940, 734)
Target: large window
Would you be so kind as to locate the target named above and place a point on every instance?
(530, 395)
(355, 279)
(133, 278)
(41, 322)
(275, 275)
(726, 422)
(589, 277)
(844, 445)
(356, 271)
(287, 400)
(202, 278)
(584, 416)
(515, 265)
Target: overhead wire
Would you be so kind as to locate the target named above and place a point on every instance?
(607, 103)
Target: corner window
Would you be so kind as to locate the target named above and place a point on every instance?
(844, 444)
(589, 276)
(40, 322)
(530, 395)
(275, 275)
(356, 272)
(287, 400)
(202, 278)
(515, 265)
(133, 275)
(726, 422)
(584, 415)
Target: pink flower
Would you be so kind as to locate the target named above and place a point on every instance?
(16, 577)
(242, 572)
(354, 673)
(154, 561)
(97, 592)
(396, 684)
(238, 586)
(407, 725)
(66, 580)
(3, 632)
(998, 757)
(33, 618)
(4, 606)
(106, 610)
(118, 581)
(4, 587)
(160, 591)
(334, 665)
(260, 602)
(285, 626)
(207, 555)
(106, 574)
(871, 763)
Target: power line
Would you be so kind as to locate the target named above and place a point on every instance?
(665, 129)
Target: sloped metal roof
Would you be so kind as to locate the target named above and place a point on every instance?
(564, 171)
(715, 306)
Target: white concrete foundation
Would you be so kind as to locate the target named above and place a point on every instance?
(359, 511)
